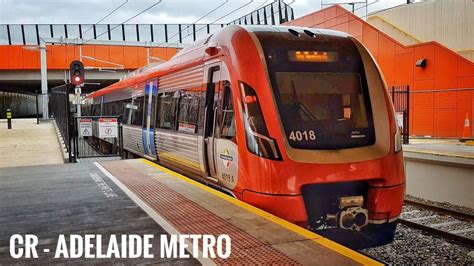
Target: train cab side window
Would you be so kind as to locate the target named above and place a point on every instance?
(167, 110)
(137, 114)
(127, 113)
(228, 121)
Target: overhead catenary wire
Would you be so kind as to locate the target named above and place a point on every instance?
(231, 12)
(202, 17)
(275, 12)
(134, 16)
(106, 16)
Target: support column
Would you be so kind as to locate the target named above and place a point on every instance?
(44, 79)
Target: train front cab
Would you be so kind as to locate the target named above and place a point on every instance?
(322, 146)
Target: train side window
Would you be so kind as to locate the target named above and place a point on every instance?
(95, 110)
(167, 105)
(228, 121)
(137, 114)
(188, 112)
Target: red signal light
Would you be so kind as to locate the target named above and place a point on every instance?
(76, 70)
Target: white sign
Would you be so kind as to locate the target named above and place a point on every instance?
(108, 128)
(189, 128)
(85, 127)
(399, 116)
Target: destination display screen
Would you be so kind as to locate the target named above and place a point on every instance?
(313, 56)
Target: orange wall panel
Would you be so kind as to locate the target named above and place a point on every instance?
(88, 50)
(370, 39)
(465, 67)
(116, 54)
(15, 57)
(355, 27)
(58, 57)
(422, 114)
(399, 49)
(423, 85)
(446, 71)
(31, 59)
(102, 53)
(464, 106)
(404, 69)
(72, 54)
(444, 122)
(142, 56)
(466, 82)
(4, 57)
(342, 23)
(386, 58)
(426, 52)
(131, 58)
(445, 100)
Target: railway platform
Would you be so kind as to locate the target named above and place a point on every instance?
(136, 196)
(35, 144)
(440, 170)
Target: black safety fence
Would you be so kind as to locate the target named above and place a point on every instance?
(59, 110)
(274, 13)
(401, 103)
(97, 136)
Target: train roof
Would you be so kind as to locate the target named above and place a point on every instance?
(194, 54)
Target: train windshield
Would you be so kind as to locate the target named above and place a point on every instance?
(321, 93)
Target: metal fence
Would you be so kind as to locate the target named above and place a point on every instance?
(401, 103)
(59, 110)
(97, 136)
(29, 34)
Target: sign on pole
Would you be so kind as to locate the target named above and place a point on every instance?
(399, 116)
(108, 128)
(85, 127)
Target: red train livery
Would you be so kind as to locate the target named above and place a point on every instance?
(296, 121)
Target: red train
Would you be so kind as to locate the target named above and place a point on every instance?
(296, 121)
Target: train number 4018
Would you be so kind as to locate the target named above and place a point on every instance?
(304, 135)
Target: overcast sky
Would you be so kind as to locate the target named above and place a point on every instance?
(168, 11)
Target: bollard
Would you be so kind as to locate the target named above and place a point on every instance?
(9, 118)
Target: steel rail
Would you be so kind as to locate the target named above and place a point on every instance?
(432, 207)
(468, 242)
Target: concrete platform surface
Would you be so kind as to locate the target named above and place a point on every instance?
(139, 197)
(69, 199)
(443, 147)
(28, 144)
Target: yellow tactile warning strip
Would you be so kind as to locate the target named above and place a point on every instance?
(354, 255)
(189, 217)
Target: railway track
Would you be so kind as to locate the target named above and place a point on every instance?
(445, 223)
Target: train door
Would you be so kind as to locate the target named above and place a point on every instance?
(220, 141)
(148, 125)
(213, 79)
